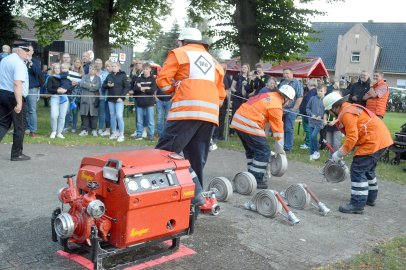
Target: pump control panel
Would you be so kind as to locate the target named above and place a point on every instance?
(143, 182)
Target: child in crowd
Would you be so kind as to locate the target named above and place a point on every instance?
(65, 82)
(315, 110)
(68, 79)
(333, 135)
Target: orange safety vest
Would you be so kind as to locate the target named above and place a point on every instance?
(363, 129)
(252, 116)
(196, 79)
(378, 104)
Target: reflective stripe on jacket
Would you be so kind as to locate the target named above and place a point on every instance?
(363, 129)
(252, 116)
(378, 104)
(196, 79)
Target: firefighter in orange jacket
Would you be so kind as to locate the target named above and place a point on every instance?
(249, 122)
(377, 97)
(195, 79)
(366, 131)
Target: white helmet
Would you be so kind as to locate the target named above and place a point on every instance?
(190, 34)
(331, 99)
(288, 91)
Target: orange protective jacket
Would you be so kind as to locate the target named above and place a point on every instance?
(378, 102)
(252, 116)
(196, 79)
(363, 129)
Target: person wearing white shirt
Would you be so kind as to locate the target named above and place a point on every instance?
(14, 85)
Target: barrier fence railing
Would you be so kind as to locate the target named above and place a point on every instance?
(227, 118)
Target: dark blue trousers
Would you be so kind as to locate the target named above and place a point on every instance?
(8, 116)
(192, 137)
(364, 186)
(257, 152)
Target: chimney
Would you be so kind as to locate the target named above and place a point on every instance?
(370, 21)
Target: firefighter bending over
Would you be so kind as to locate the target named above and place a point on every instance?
(249, 122)
(366, 131)
(195, 79)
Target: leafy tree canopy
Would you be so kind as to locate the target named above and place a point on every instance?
(9, 22)
(127, 19)
(261, 29)
(158, 47)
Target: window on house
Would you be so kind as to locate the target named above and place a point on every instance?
(401, 84)
(355, 56)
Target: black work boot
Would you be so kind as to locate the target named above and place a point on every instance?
(371, 203)
(350, 209)
(198, 200)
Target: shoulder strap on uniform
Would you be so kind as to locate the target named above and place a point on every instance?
(355, 109)
(180, 54)
(370, 113)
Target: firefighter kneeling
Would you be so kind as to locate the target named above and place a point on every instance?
(249, 122)
(365, 130)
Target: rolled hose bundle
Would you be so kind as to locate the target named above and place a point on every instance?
(278, 164)
(223, 186)
(335, 172)
(300, 195)
(297, 196)
(265, 203)
(244, 183)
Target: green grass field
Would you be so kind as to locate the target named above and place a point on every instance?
(394, 120)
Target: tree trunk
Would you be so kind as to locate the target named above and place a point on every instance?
(247, 37)
(101, 21)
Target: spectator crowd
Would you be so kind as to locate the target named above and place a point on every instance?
(98, 92)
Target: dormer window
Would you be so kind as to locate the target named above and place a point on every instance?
(355, 57)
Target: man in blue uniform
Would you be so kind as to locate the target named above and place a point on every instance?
(13, 90)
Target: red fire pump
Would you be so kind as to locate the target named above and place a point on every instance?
(126, 201)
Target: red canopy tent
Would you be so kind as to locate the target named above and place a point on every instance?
(311, 68)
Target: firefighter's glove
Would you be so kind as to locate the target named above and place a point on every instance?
(278, 147)
(337, 156)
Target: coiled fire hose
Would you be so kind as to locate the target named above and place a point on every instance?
(269, 203)
(244, 183)
(223, 187)
(335, 172)
(299, 196)
(278, 164)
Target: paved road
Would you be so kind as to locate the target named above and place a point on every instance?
(236, 239)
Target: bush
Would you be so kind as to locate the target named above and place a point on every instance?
(397, 100)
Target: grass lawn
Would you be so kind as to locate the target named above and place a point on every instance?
(390, 255)
(394, 120)
(44, 130)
